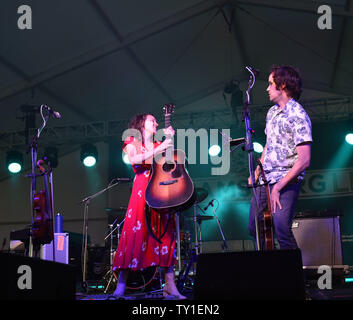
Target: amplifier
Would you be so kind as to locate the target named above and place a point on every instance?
(319, 240)
(61, 249)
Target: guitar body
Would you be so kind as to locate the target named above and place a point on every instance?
(170, 187)
(268, 232)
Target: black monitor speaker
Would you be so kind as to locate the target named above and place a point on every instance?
(274, 274)
(26, 278)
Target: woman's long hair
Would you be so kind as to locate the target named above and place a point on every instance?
(138, 123)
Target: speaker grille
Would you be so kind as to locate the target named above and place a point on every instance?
(319, 240)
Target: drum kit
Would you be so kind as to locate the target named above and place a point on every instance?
(187, 249)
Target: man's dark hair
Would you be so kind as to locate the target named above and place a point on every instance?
(289, 79)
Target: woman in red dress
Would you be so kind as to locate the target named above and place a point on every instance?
(137, 249)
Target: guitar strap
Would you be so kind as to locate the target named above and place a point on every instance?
(148, 222)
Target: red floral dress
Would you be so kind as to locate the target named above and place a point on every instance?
(137, 249)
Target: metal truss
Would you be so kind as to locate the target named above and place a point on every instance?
(333, 109)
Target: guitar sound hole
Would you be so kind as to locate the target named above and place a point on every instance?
(167, 167)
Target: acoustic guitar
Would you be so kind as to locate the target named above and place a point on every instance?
(170, 187)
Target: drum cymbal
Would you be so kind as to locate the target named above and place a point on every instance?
(201, 194)
(200, 218)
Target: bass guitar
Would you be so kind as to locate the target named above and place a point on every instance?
(170, 187)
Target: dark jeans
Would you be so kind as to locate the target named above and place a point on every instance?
(281, 219)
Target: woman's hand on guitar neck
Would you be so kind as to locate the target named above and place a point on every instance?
(169, 132)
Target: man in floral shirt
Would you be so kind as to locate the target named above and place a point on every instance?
(285, 157)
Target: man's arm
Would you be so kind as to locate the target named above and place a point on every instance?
(303, 162)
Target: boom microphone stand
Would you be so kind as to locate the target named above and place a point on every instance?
(86, 201)
(224, 245)
(247, 144)
(248, 147)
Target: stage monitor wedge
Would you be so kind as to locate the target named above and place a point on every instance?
(25, 278)
(250, 275)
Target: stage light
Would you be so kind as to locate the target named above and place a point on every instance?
(89, 161)
(349, 138)
(89, 155)
(14, 161)
(51, 156)
(258, 147)
(214, 150)
(126, 158)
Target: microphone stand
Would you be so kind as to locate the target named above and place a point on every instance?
(250, 148)
(86, 201)
(111, 256)
(224, 246)
(52, 207)
(33, 175)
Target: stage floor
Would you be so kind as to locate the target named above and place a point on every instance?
(344, 292)
(341, 288)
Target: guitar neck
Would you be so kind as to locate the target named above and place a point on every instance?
(167, 120)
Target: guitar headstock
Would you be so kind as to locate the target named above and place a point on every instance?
(168, 108)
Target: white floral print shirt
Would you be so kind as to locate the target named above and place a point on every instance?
(285, 129)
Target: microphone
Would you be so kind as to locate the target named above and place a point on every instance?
(122, 180)
(256, 72)
(210, 203)
(56, 114)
